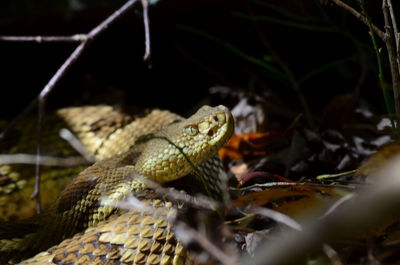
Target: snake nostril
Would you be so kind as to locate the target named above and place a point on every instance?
(210, 133)
(216, 118)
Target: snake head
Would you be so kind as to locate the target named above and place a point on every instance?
(172, 152)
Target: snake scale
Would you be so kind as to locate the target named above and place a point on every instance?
(100, 233)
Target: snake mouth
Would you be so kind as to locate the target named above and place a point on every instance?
(223, 131)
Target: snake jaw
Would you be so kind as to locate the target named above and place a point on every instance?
(199, 137)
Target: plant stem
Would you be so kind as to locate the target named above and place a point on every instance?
(361, 17)
(382, 82)
(391, 49)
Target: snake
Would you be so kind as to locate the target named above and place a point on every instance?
(103, 131)
(94, 232)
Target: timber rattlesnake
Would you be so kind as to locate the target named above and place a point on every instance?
(127, 237)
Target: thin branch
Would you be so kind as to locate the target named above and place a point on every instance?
(394, 23)
(88, 39)
(101, 28)
(395, 33)
(41, 99)
(183, 231)
(391, 49)
(36, 191)
(286, 184)
(94, 33)
(277, 217)
(360, 17)
(68, 136)
(172, 194)
(40, 39)
(338, 203)
(44, 160)
(332, 255)
(146, 23)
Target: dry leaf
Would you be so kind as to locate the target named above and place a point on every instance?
(378, 161)
(268, 177)
(247, 144)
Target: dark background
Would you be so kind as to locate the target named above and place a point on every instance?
(184, 65)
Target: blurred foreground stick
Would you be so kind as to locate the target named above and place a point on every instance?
(369, 208)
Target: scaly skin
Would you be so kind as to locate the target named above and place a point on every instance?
(103, 130)
(78, 207)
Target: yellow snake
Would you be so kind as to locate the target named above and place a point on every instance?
(114, 236)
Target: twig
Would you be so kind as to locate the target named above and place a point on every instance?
(41, 99)
(394, 23)
(391, 49)
(332, 255)
(87, 40)
(36, 191)
(285, 184)
(146, 23)
(94, 33)
(395, 33)
(277, 217)
(336, 204)
(132, 203)
(183, 231)
(385, 90)
(68, 136)
(44, 160)
(175, 195)
(40, 39)
(101, 28)
(360, 17)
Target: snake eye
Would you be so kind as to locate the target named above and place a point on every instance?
(192, 130)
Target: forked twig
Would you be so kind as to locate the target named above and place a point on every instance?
(360, 17)
(86, 40)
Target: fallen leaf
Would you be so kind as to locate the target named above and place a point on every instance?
(248, 144)
(263, 197)
(378, 161)
(239, 170)
(268, 177)
(293, 200)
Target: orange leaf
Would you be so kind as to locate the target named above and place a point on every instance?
(247, 144)
(263, 197)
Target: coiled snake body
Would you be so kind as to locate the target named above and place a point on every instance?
(113, 236)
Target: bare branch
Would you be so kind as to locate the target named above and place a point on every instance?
(277, 217)
(360, 17)
(76, 144)
(172, 194)
(285, 184)
(183, 231)
(40, 39)
(332, 255)
(392, 54)
(395, 33)
(93, 34)
(44, 160)
(394, 23)
(146, 23)
(36, 191)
